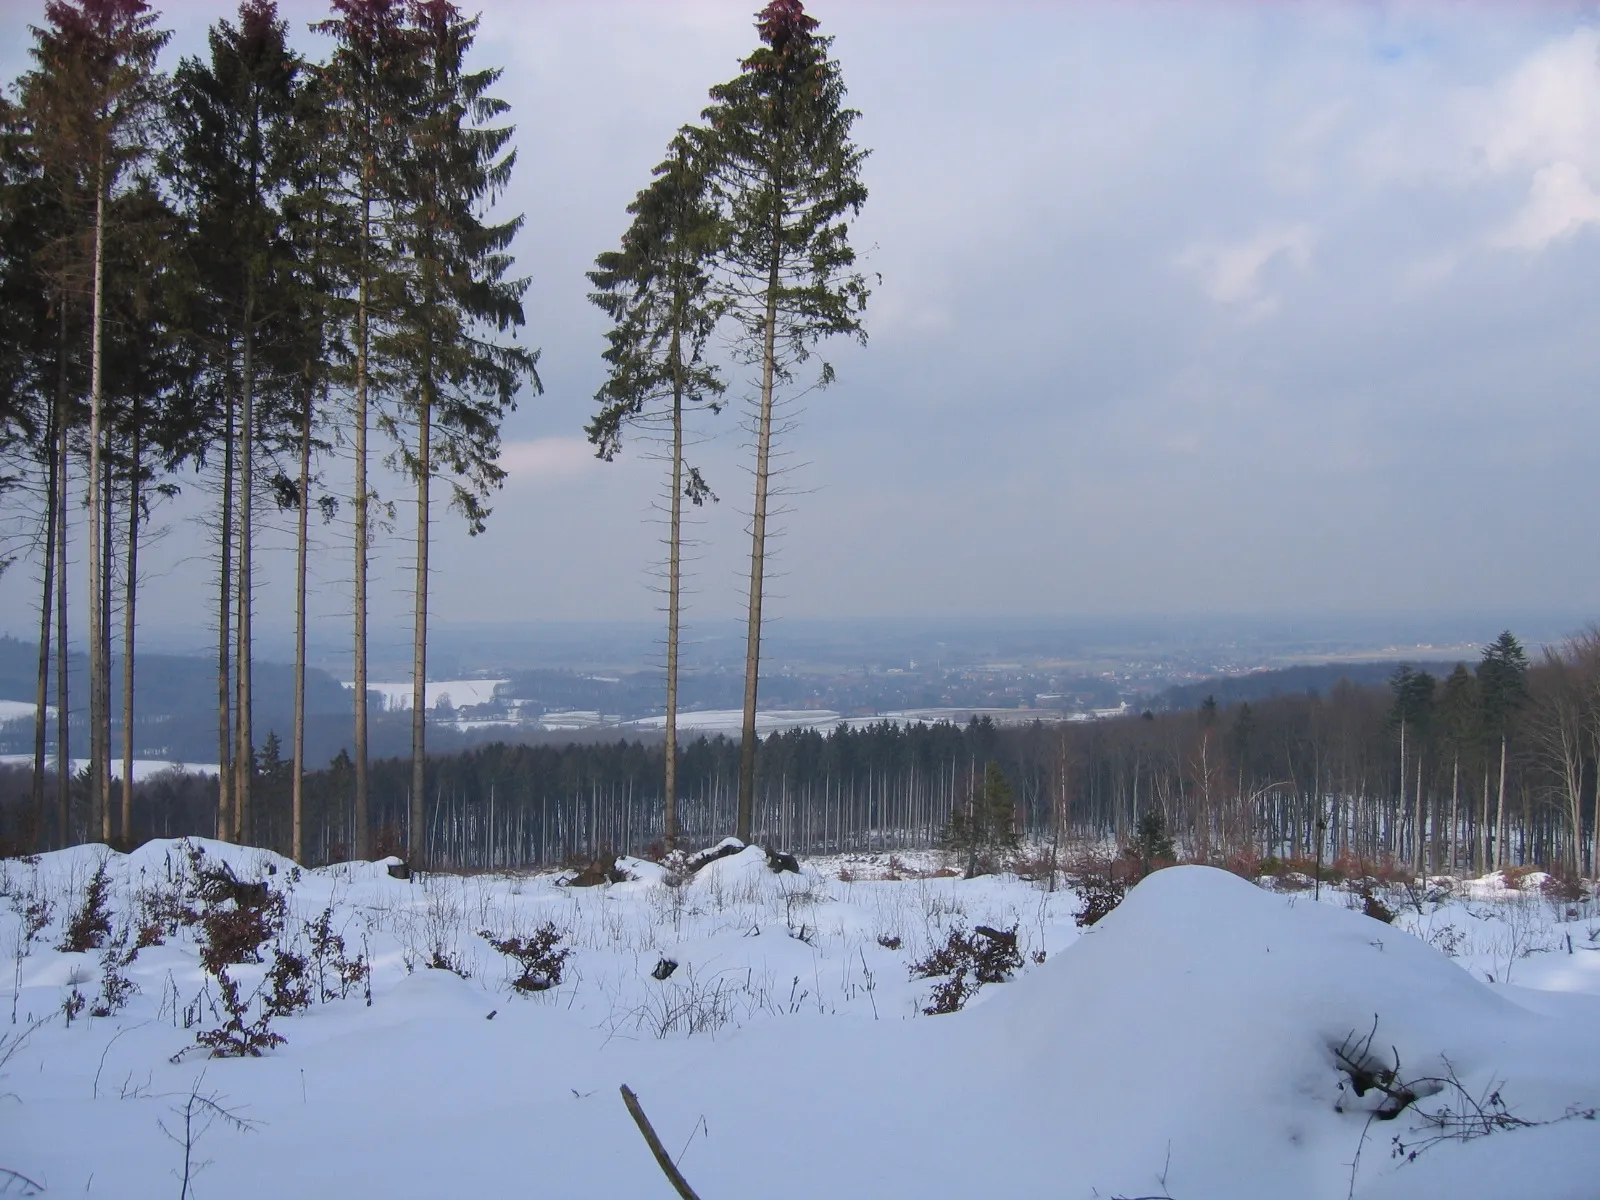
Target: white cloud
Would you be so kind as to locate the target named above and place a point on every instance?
(1560, 201)
(1232, 272)
(547, 459)
(1548, 108)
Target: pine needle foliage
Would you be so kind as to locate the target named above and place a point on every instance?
(787, 176)
(986, 824)
(657, 290)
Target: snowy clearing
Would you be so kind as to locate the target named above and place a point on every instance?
(143, 768)
(1202, 1041)
(397, 696)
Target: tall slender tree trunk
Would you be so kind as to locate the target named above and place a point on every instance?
(99, 767)
(302, 532)
(244, 757)
(1500, 811)
(41, 717)
(419, 645)
(63, 689)
(758, 550)
(225, 817)
(1419, 847)
(362, 835)
(107, 565)
(1455, 800)
(130, 593)
(1484, 828)
(674, 585)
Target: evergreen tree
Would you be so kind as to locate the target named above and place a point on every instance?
(1503, 686)
(1152, 841)
(986, 823)
(788, 176)
(318, 225)
(456, 302)
(90, 102)
(149, 393)
(657, 291)
(34, 356)
(234, 146)
(368, 86)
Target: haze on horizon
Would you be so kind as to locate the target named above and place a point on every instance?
(1203, 309)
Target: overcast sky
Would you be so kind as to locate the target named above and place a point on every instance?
(1184, 308)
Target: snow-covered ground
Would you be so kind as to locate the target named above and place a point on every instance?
(397, 696)
(728, 720)
(1187, 1046)
(17, 710)
(143, 768)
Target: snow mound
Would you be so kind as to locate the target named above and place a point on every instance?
(1203, 1018)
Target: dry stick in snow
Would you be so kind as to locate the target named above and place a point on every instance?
(663, 1159)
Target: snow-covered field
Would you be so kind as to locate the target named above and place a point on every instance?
(1189, 1045)
(17, 710)
(143, 768)
(397, 696)
(729, 720)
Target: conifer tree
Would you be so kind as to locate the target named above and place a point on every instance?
(34, 355)
(657, 291)
(318, 225)
(90, 101)
(233, 118)
(456, 303)
(368, 80)
(149, 377)
(788, 177)
(1503, 685)
(987, 822)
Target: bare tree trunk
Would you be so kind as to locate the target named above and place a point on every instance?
(1455, 827)
(363, 839)
(244, 759)
(100, 784)
(297, 802)
(225, 817)
(63, 690)
(41, 717)
(758, 549)
(1419, 848)
(130, 592)
(674, 584)
(1500, 812)
(419, 643)
(107, 570)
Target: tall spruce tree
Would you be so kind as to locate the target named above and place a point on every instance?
(446, 339)
(318, 225)
(657, 291)
(234, 141)
(1503, 686)
(149, 399)
(91, 101)
(33, 356)
(369, 83)
(784, 169)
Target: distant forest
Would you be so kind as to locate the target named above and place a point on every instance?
(1494, 764)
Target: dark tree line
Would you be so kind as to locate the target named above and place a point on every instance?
(209, 275)
(1286, 778)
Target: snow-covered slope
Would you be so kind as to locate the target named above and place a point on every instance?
(1185, 1046)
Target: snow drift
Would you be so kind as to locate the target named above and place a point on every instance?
(1187, 1046)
